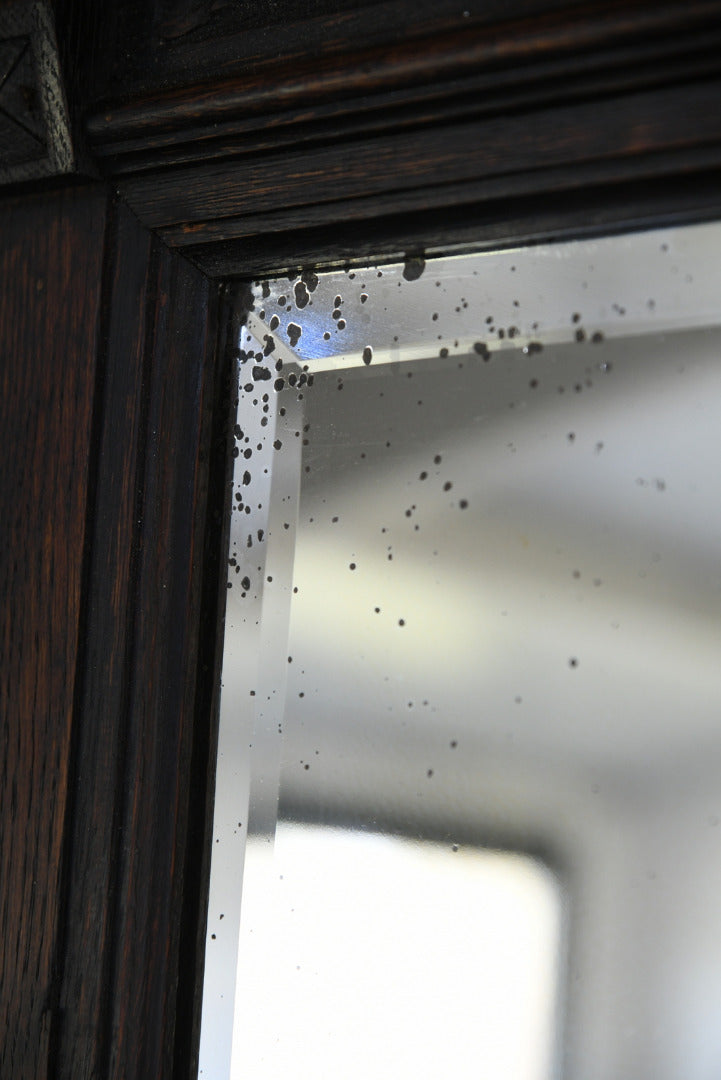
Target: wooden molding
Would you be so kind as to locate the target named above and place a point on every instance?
(144, 731)
(197, 122)
(471, 118)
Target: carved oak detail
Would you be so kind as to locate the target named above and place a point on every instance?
(34, 134)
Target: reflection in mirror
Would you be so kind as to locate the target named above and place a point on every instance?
(469, 774)
(392, 958)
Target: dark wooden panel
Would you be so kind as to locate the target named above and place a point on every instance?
(495, 60)
(49, 324)
(483, 93)
(88, 989)
(145, 731)
(477, 199)
(435, 226)
(174, 43)
(164, 683)
(475, 114)
(625, 131)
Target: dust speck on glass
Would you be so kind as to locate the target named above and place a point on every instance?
(469, 769)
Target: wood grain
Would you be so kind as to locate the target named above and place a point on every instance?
(145, 730)
(145, 748)
(485, 92)
(113, 500)
(630, 128)
(88, 984)
(433, 223)
(340, 126)
(162, 700)
(151, 55)
(49, 327)
(506, 54)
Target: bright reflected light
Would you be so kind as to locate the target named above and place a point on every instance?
(364, 955)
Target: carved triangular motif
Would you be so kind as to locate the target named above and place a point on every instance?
(19, 94)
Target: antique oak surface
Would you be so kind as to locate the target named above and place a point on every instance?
(47, 408)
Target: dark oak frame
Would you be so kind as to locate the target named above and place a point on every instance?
(216, 143)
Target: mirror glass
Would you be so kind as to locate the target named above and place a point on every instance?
(469, 772)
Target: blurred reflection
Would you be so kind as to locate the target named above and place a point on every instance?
(366, 955)
(471, 672)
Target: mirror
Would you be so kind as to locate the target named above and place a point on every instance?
(469, 773)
